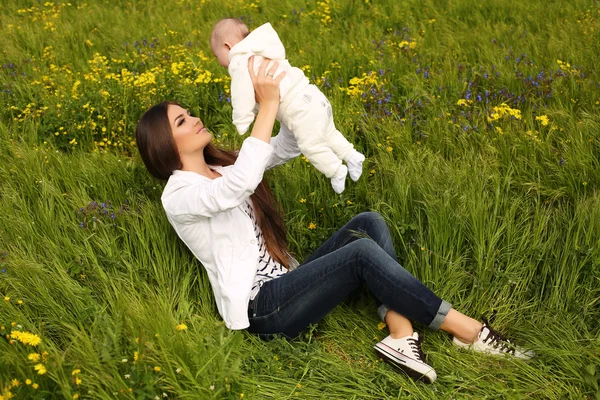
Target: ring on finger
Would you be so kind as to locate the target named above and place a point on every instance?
(270, 74)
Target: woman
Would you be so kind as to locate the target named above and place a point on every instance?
(219, 205)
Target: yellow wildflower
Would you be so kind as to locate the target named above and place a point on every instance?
(302, 200)
(76, 396)
(543, 120)
(28, 381)
(135, 356)
(78, 381)
(381, 325)
(26, 338)
(312, 225)
(6, 298)
(35, 357)
(157, 369)
(15, 382)
(41, 370)
(181, 327)
(35, 386)
(6, 394)
(75, 371)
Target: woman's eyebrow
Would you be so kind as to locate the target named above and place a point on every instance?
(179, 116)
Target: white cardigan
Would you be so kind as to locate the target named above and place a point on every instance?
(207, 215)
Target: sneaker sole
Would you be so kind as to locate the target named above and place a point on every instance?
(398, 363)
(525, 356)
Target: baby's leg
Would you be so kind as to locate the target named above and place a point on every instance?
(340, 145)
(353, 158)
(308, 122)
(315, 149)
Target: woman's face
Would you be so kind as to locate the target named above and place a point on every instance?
(189, 132)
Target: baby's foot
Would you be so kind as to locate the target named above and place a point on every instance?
(338, 181)
(355, 162)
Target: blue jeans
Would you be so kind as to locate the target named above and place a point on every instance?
(361, 252)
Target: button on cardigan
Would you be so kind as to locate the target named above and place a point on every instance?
(208, 216)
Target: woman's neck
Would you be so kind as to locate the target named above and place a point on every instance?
(196, 163)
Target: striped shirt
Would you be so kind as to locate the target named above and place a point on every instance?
(266, 268)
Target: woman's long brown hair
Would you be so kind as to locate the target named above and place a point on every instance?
(158, 151)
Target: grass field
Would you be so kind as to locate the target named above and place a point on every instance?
(481, 127)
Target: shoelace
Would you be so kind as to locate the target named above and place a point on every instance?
(415, 345)
(496, 339)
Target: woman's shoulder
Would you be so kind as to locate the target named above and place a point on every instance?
(180, 179)
(180, 176)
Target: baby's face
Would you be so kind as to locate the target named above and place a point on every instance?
(221, 51)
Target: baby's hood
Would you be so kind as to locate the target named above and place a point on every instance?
(263, 41)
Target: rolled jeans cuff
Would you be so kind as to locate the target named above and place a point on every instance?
(437, 320)
(381, 311)
(440, 316)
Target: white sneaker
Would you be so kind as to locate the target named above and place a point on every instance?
(406, 353)
(491, 342)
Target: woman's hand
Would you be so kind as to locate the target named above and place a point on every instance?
(266, 90)
(266, 85)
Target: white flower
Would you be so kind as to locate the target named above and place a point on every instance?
(165, 395)
(124, 360)
(127, 376)
(212, 387)
(178, 370)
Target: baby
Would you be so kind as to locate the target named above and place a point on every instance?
(304, 111)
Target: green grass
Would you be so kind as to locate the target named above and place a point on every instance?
(501, 215)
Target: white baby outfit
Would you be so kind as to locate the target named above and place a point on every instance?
(304, 110)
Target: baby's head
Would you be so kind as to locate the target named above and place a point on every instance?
(227, 33)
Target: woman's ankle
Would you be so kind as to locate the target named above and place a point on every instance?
(461, 327)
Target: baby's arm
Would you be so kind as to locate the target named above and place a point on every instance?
(242, 99)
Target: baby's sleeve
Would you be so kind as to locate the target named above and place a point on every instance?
(242, 99)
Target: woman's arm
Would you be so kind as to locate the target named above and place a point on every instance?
(210, 197)
(266, 89)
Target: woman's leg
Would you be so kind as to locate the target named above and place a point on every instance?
(461, 327)
(372, 225)
(366, 224)
(288, 304)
